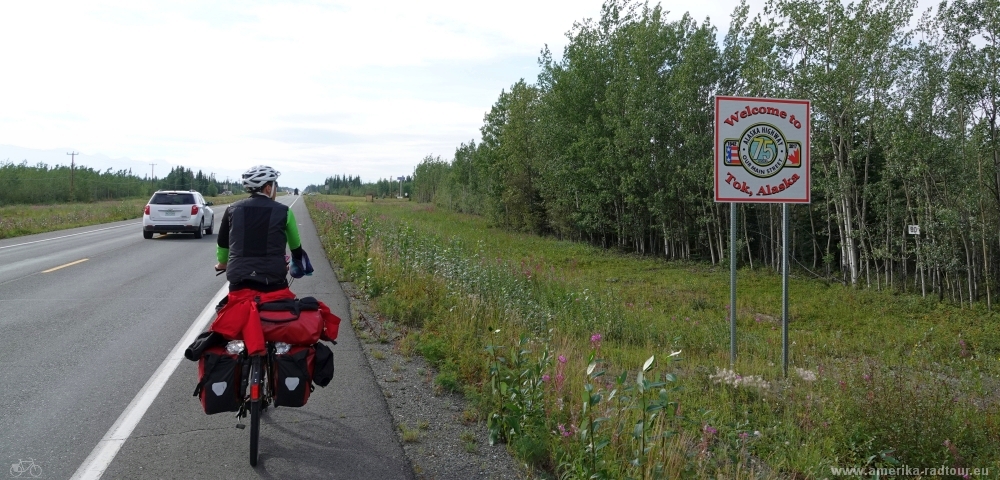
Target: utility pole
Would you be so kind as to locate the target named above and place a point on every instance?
(72, 167)
(152, 177)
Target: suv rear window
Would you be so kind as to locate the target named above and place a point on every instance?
(172, 199)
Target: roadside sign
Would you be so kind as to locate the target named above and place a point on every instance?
(761, 150)
(914, 229)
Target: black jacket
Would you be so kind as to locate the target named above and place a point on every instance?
(253, 229)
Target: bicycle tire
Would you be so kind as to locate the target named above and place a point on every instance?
(254, 431)
(255, 375)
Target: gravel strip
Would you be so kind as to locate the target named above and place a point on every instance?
(438, 430)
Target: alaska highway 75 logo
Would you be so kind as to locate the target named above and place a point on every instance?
(762, 151)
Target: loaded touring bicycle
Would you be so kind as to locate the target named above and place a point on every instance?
(278, 368)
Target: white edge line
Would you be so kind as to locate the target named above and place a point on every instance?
(293, 201)
(106, 450)
(70, 235)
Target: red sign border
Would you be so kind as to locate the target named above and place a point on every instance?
(807, 159)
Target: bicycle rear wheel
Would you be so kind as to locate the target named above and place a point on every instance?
(256, 381)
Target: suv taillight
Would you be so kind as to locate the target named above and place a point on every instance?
(194, 209)
(146, 210)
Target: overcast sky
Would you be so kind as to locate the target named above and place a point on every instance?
(313, 88)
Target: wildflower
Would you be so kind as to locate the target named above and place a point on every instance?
(562, 359)
(709, 430)
(730, 377)
(545, 378)
(806, 375)
(867, 377)
(744, 435)
(595, 338)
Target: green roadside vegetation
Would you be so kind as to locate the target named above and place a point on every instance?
(570, 353)
(17, 220)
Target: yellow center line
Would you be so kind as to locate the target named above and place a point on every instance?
(70, 264)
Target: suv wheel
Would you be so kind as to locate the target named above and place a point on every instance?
(201, 228)
(147, 235)
(208, 231)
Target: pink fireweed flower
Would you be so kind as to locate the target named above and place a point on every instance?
(709, 430)
(744, 435)
(545, 377)
(562, 359)
(595, 338)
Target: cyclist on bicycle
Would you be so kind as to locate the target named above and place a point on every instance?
(253, 235)
(251, 249)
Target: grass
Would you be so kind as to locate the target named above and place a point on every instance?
(410, 435)
(875, 378)
(18, 220)
(469, 441)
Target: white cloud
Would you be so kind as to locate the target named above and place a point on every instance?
(318, 88)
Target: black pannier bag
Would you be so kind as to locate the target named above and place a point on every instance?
(220, 386)
(323, 372)
(293, 376)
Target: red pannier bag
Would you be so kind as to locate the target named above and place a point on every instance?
(293, 372)
(290, 321)
(331, 323)
(219, 381)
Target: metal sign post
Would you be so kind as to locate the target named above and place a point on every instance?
(784, 289)
(732, 284)
(761, 156)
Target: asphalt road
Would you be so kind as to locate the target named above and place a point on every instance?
(78, 343)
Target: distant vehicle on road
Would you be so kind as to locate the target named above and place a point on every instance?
(296, 191)
(177, 211)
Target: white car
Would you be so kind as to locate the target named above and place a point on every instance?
(177, 211)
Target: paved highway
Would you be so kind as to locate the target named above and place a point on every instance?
(89, 315)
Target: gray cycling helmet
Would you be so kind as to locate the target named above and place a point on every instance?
(255, 178)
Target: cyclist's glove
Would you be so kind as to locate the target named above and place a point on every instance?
(301, 267)
(308, 266)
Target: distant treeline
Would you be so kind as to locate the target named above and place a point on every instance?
(41, 184)
(613, 143)
(353, 186)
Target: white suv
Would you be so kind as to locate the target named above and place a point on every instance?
(177, 211)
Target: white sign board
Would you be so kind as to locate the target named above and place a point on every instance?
(914, 229)
(761, 150)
